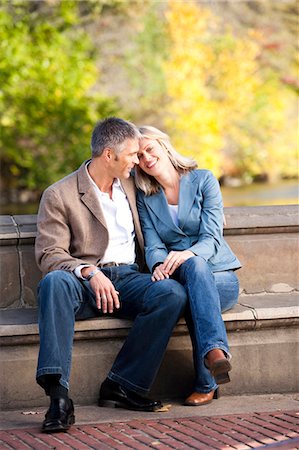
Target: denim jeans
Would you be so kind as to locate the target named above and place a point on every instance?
(209, 294)
(155, 308)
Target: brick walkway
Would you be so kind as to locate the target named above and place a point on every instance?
(232, 431)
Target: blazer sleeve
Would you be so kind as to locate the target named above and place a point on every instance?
(211, 219)
(155, 250)
(53, 240)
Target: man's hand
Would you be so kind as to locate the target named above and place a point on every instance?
(174, 260)
(106, 295)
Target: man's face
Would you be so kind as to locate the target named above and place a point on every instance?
(124, 161)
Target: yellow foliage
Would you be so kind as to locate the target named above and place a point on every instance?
(192, 115)
(224, 110)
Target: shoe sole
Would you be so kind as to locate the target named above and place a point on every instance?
(216, 395)
(117, 404)
(219, 371)
(59, 428)
(198, 404)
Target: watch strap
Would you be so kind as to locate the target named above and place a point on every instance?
(92, 273)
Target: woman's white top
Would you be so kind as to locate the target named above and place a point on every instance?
(173, 209)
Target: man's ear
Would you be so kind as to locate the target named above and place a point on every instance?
(107, 153)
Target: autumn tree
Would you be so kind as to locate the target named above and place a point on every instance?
(226, 109)
(192, 113)
(223, 88)
(47, 106)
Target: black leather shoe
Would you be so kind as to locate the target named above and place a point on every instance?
(115, 395)
(60, 416)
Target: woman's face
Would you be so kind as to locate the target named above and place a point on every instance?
(153, 158)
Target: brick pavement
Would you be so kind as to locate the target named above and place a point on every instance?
(256, 430)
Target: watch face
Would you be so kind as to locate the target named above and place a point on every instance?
(92, 273)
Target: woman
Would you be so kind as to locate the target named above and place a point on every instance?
(181, 214)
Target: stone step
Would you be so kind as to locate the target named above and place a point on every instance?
(250, 310)
(262, 331)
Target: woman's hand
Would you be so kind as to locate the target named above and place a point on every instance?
(171, 263)
(174, 260)
(159, 273)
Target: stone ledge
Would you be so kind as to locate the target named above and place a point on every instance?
(251, 232)
(249, 219)
(20, 325)
(263, 353)
(257, 217)
(272, 306)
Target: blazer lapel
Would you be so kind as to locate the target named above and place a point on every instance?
(129, 188)
(159, 206)
(89, 197)
(188, 188)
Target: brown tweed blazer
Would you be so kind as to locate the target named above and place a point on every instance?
(71, 228)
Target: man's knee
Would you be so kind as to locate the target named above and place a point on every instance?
(57, 277)
(56, 285)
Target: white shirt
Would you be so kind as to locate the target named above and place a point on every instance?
(119, 220)
(173, 209)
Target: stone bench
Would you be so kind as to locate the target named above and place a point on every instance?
(262, 328)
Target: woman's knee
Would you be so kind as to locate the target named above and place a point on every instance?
(196, 265)
(197, 262)
(227, 284)
(170, 293)
(227, 304)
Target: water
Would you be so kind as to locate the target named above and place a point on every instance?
(283, 193)
(18, 208)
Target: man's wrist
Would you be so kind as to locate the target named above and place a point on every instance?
(87, 270)
(93, 273)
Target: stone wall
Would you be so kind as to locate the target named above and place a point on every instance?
(265, 239)
(262, 328)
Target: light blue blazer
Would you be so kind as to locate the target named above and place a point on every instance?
(200, 223)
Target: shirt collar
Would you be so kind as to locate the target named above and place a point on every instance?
(116, 182)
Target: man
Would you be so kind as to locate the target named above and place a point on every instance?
(88, 245)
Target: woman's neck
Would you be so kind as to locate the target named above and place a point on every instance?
(170, 183)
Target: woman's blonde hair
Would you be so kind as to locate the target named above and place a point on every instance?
(147, 183)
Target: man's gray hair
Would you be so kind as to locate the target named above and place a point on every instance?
(112, 132)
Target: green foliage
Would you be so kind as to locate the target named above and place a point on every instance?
(226, 94)
(47, 108)
(144, 62)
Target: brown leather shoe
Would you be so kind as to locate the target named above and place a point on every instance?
(200, 398)
(218, 365)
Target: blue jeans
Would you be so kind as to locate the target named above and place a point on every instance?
(155, 308)
(209, 294)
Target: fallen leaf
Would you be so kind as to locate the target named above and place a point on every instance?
(164, 408)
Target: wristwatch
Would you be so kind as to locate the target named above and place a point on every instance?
(92, 273)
